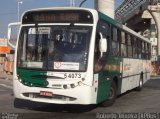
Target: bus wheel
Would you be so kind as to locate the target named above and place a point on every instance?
(17, 103)
(20, 103)
(112, 95)
(139, 88)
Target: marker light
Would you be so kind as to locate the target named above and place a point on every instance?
(72, 86)
(65, 86)
(79, 83)
(83, 79)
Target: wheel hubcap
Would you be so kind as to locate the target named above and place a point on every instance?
(111, 93)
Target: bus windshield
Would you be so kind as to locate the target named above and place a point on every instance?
(58, 48)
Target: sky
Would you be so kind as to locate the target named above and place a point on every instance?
(9, 9)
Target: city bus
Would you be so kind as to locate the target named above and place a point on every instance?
(77, 56)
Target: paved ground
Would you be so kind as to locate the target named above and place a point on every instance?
(145, 104)
(6, 76)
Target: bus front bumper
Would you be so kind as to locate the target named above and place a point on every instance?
(81, 94)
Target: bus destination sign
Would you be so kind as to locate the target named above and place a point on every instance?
(58, 16)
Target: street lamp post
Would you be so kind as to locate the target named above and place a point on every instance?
(19, 2)
(72, 3)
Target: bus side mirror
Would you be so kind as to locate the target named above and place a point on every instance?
(102, 44)
(9, 33)
(17, 24)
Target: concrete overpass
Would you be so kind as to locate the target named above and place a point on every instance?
(143, 16)
(130, 8)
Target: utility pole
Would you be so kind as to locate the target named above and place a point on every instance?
(19, 2)
(72, 3)
(105, 6)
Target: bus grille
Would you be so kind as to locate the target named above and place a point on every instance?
(54, 97)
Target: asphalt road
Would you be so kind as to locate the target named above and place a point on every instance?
(144, 104)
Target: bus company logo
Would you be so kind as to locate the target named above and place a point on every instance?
(57, 65)
(127, 67)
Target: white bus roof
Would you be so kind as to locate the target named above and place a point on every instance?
(93, 11)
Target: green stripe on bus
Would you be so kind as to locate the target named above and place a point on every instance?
(110, 20)
(106, 75)
(32, 78)
(103, 86)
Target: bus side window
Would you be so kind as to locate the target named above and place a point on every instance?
(139, 49)
(96, 50)
(97, 63)
(135, 47)
(99, 56)
(115, 41)
(100, 60)
(104, 28)
(149, 50)
(123, 45)
(129, 46)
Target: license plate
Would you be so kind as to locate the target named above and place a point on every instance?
(45, 93)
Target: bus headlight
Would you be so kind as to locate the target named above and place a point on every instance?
(83, 79)
(72, 86)
(79, 83)
(65, 86)
(20, 80)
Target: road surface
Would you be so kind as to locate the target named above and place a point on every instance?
(144, 104)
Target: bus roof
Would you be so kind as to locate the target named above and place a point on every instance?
(60, 15)
(101, 15)
(59, 8)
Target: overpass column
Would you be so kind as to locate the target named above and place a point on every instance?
(105, 6)
(155, 12)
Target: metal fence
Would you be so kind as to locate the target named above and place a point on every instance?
(154, 2)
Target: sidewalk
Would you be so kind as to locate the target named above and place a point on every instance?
(5, 76)
(155, 77)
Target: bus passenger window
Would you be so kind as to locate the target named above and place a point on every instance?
(139, 49)
(129, 46)
(97, 63)
(123, 45)
(135, 48)
(115, 42)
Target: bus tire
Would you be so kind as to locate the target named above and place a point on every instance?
(20, 103)
(139, 88)
(17, 103)
(112, 95)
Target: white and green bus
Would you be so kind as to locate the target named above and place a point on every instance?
(77, 56)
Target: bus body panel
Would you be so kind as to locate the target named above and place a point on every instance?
(91, 88)
(132, 70)
(81, 94)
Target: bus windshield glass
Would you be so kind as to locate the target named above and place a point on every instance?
(57, 48)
